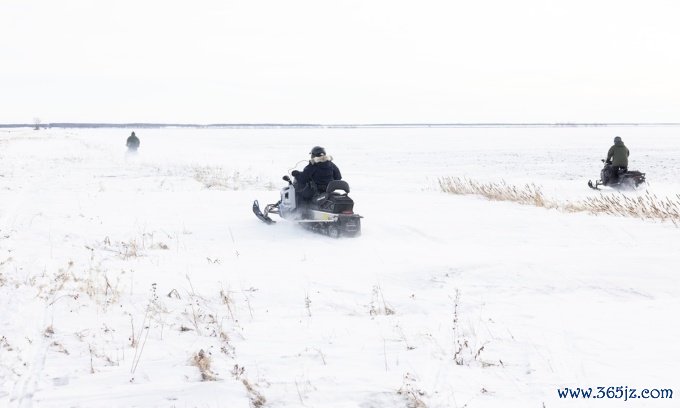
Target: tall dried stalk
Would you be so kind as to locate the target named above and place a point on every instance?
(647, 206)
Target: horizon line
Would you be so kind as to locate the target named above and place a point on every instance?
(149, 125)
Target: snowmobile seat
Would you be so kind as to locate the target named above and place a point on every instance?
(333, 201)
(337, 185)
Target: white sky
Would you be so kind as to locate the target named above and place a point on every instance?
(342, 61)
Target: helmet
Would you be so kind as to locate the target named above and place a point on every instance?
(617, 139)
(318, 151)
(133, 133)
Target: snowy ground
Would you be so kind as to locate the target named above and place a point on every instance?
(116, 270)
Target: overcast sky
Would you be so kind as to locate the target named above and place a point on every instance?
(342, 61)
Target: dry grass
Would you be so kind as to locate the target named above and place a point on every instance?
(72, 281)
(257, 400)
(411, 393)
(3, 279)
(378, 305)
(228, 300)
(97, 285)
(129, 249)
(647, 206)
(203, 361)
(467, 348)
(218, 179)
(530, 194)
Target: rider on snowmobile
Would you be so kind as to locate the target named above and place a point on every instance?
(317, 174)
(617, 157)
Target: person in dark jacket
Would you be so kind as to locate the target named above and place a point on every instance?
(132, 142)
(617, 157)
(317, 174)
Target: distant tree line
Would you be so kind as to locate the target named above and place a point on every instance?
(37, 124)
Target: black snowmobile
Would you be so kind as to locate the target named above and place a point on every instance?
(626, 180)
(330, 212)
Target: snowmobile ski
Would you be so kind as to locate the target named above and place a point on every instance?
(593, 186)
(258, 213)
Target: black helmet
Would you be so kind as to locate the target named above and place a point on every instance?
(318, 151)
(617, 139)
(133, 133)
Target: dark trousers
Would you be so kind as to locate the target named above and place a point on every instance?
(614, 173)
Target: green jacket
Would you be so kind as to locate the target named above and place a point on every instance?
(618, 155)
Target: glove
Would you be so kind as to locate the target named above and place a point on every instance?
(295, 173)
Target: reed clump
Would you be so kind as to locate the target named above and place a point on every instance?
(647, 206)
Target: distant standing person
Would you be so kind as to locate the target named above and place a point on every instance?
(132, 142)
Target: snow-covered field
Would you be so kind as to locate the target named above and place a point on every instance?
(117, 270)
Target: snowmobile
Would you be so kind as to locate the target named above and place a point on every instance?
(624, 179)
(329, 212)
